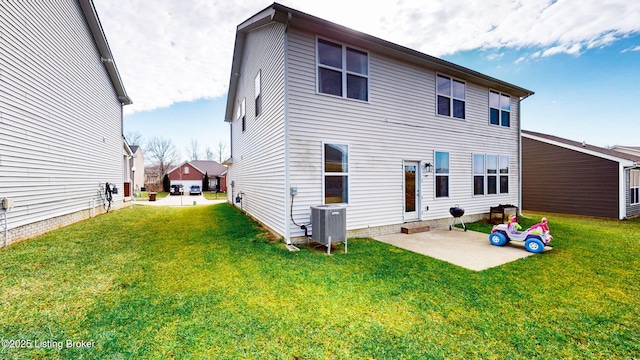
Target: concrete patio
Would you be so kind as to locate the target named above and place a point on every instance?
(470, 249)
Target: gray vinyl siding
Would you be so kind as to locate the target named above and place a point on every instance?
(399, 122)
(60, 119)
(561, 180)
(258, 169)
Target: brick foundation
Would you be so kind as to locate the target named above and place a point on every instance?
(32, 230)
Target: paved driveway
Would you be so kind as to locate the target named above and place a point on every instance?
(184, 200)
(470, 249)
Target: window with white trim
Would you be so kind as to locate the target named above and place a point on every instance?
(336, 174)
(451, 97)
(634, 186)
(499, 109)
(478, 174)
(504, 174)
(342, 71)
(442, 174)
(242, 115)
(490, 174)
(186, 170)
(258, 93)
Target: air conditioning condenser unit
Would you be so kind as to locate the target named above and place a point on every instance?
(329, 225)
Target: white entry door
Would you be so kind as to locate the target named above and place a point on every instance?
(411, 190)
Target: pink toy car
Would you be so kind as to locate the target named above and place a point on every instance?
(535, 238)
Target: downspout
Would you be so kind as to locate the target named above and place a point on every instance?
(287, 229)
(622, 193)
(520, 153)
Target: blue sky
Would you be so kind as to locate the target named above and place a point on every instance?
(580, 58)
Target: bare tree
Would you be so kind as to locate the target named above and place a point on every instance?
(208, 153)
(221, 151)
(194, 149)
(162, 152)
(133, 138)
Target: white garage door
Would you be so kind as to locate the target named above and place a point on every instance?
(187, 184)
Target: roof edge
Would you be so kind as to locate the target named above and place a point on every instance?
(91, 16)
(627, 161)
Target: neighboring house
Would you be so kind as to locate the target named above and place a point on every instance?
(61, 114)
(192, 173)
(342, 117)
(633, 150)
(153, 178)
(137, 163)
(127, 172)
(565, 176)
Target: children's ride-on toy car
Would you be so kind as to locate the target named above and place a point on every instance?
(535, 238)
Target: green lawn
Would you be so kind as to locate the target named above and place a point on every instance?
(214, 196)
(144, 195)
(204, 282)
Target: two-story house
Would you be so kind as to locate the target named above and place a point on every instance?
(61, 112)
(336, 116)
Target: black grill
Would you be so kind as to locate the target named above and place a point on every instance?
(456, 211)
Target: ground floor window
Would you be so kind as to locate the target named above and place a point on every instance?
(634, 185)
(490, 174)
(442, 174)
(336, 174)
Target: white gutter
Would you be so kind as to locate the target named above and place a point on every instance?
(287, 184)
(520, 153)
(622, 198)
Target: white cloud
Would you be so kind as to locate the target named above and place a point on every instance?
(169, 51)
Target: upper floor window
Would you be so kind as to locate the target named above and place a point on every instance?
(336, 174)
(242, 115)
(499, 109)
(342, 71)
(442, 174)
(186, 170)
(634, 185)
(258, 91)
(451, 96)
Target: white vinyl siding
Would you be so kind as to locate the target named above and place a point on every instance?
(60, 119)
(258, 169)
(634, 187)
(398, 123)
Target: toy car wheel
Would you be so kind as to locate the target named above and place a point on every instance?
(534, 245)
(497, 239)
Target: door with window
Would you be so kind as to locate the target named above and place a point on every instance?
(411, 190)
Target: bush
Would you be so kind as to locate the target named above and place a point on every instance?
(205, 182)
(166, 183)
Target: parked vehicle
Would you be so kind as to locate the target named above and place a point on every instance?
(176, 190)
(195, 190)
(535, 238)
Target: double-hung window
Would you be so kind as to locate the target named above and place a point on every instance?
(451, 97)
(342, 71)
(490, 174)
(478, 174)
(258, 93)
(634, 187)
(336, 174)
(499, 109)
(504, 174)
(442, 174)
(242, 115)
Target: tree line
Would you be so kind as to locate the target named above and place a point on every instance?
(163, 153)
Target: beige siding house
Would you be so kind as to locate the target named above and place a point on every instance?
(61, 102)
(342, 117)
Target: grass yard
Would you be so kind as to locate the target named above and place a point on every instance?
(204, 282)
(212, 195)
